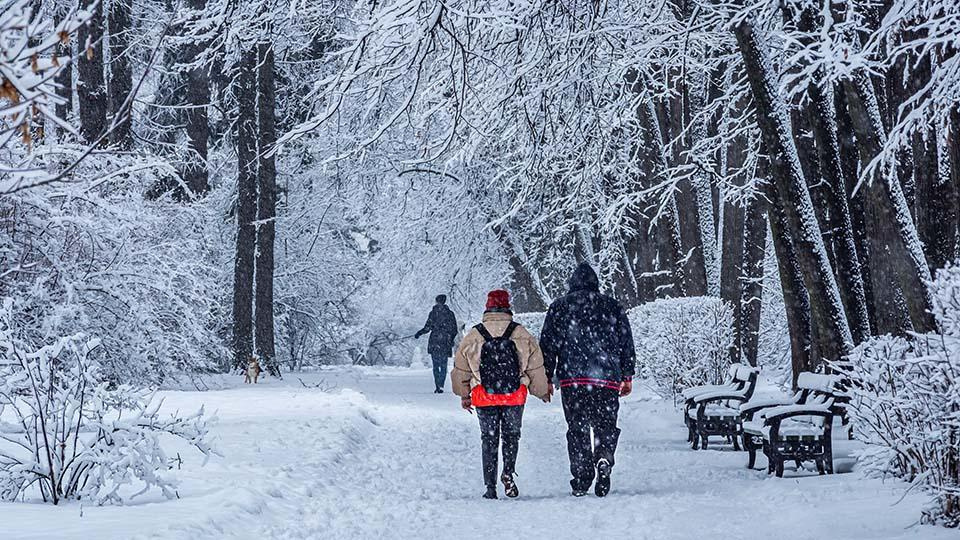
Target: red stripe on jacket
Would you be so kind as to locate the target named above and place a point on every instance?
(480, 398)
(585, 381)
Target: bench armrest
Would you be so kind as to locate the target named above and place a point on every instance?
(752, 407)
(719, 395)
(695, 391)
(787, 411)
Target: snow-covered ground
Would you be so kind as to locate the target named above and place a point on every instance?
(381, 456)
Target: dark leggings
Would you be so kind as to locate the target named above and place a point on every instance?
(497, 422)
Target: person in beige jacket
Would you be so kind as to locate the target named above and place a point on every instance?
(494, 347)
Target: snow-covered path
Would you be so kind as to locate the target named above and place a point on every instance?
(401, 462)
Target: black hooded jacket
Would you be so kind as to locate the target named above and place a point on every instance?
(442, 326)
(586, 337)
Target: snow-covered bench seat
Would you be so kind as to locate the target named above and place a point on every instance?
(732, 384)
(797, 428)
(717, 412)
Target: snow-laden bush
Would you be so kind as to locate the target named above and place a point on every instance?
(906, 404)
(67, 435)
(682, 342)
(533, 322)
(96, 257)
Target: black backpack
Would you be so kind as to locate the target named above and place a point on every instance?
(499, 362)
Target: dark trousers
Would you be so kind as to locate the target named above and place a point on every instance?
(497, 422)
(589, 408)
(439, 369)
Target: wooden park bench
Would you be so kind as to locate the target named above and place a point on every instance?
(730, 383)
(797, 428)
(716, 411)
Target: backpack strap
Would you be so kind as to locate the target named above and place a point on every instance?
(483, 332)
(510, 328)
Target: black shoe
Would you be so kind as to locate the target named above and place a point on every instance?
(437, 391)
(579, 492)
(491, 493)
(603, 478)
(509, 486)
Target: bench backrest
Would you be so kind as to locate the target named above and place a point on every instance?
(819, 389)
(747, 377)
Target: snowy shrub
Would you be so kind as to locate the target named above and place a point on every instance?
(682, 342)
(98, 258)
(533, 322)
(906, 404)
(67, 435)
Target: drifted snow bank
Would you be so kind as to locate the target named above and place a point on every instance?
(274, 440)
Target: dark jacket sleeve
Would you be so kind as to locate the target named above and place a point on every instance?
(551, 341)
(628, 354)
(429, 326)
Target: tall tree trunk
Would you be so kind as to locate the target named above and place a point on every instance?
(732, 270)
(835, 213)
(529, 293)
(894, 237)
(667, 225)
(831, 329)
(266, 207)
(246, 207)
(121, 74)
(194, 171)
(64, 79)
(751, 280)
(849, 167)
(820, 111)
(91, 90)
(796, 301)
(952, 145)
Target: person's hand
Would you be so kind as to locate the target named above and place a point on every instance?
(626, 387)
(466, 404)
(417, 335)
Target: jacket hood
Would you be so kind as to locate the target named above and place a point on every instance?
(584, 279)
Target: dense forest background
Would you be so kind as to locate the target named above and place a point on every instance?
(196, 181)
(298, 179)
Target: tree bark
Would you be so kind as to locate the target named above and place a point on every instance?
(121, 74)
(266, 208)
(246, 140)
(894, 239)
(796, 301)
(849, 161)
(197, 79)
(751, 281)
(667, 226)
(91, 90)
(833, 334)
(64, 79)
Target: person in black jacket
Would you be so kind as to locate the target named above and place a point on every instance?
(442, 327)
(587, 344)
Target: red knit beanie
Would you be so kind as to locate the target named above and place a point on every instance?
(498, 299)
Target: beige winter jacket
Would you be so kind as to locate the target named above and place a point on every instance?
(466, 365)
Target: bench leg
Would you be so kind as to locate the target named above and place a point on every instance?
(703, 441)
(696, 441)
(690, 433)
(820, 468)
(736, 443)
(779, 468)
(752, 460)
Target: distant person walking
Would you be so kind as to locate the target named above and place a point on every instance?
(588, 345)
(497, 364)
(442, 327)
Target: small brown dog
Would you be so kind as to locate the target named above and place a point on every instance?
(253, 371)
